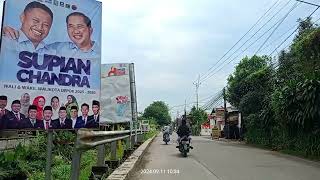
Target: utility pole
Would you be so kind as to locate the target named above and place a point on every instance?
(225, 112)
(185, 106)
(197, 84)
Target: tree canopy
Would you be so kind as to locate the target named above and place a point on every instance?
(280, 103)
(198, 116)
(159, 111)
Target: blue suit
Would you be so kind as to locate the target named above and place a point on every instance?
(79, 123)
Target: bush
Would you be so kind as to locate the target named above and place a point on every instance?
(30, 160)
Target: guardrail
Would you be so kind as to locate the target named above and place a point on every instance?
(13, 142)
(11, 139)
(88, 139)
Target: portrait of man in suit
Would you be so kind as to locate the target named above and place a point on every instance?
(74, 115)
(47, 118)
(3, 111)
(31, 122)
(14, 118)
(83, 120)
(62, 122)
(94, 119)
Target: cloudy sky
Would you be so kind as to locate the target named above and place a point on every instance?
(171, 42)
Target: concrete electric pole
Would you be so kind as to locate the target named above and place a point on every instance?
(197, 84)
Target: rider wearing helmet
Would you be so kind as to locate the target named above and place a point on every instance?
(183, 130)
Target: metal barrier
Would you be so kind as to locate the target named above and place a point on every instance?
(13, 142)
(88, 139)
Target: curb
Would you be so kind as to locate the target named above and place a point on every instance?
(123, 171)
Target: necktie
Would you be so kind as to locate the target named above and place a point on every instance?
(17, 116)
(47, 125)
(33, 122)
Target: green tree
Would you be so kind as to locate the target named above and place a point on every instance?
(249, 89)
(297, 97)
(249, 84)
(281, 106)
(159, 111)
(198, 116)
(247, 78)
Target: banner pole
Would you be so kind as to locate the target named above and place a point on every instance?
(49, 155)
(101, 155)
(130, 140)
(76, 160)
(133, 98)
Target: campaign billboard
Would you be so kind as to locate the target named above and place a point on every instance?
(116, 98)
(50, 61)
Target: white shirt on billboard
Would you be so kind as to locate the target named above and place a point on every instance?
(24, 44)
(74, 122)
(70, 49)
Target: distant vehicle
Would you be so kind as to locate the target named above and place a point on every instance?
(166, 137)
(166, 134)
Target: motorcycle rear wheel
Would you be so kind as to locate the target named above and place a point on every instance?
(184, 154)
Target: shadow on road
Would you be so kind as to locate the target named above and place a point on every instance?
(165, 144)
(179, 155)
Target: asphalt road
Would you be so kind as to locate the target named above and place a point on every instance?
(212, 160)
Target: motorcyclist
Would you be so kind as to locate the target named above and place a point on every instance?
(183, 130)
(165, 130)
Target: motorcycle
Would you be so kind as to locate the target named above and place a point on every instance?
(166, 137)
(184, 146)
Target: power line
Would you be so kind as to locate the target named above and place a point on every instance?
(209, 97)
(309, 3)
(253, 26)
(181, 105)
(277, 64)
(208, 103)
(223, 65)
(279, 37)
(210, 73)
(276, 28)
(212, 105)
(200, 101)
(292, 33)
(213, 100)
(217, 103)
